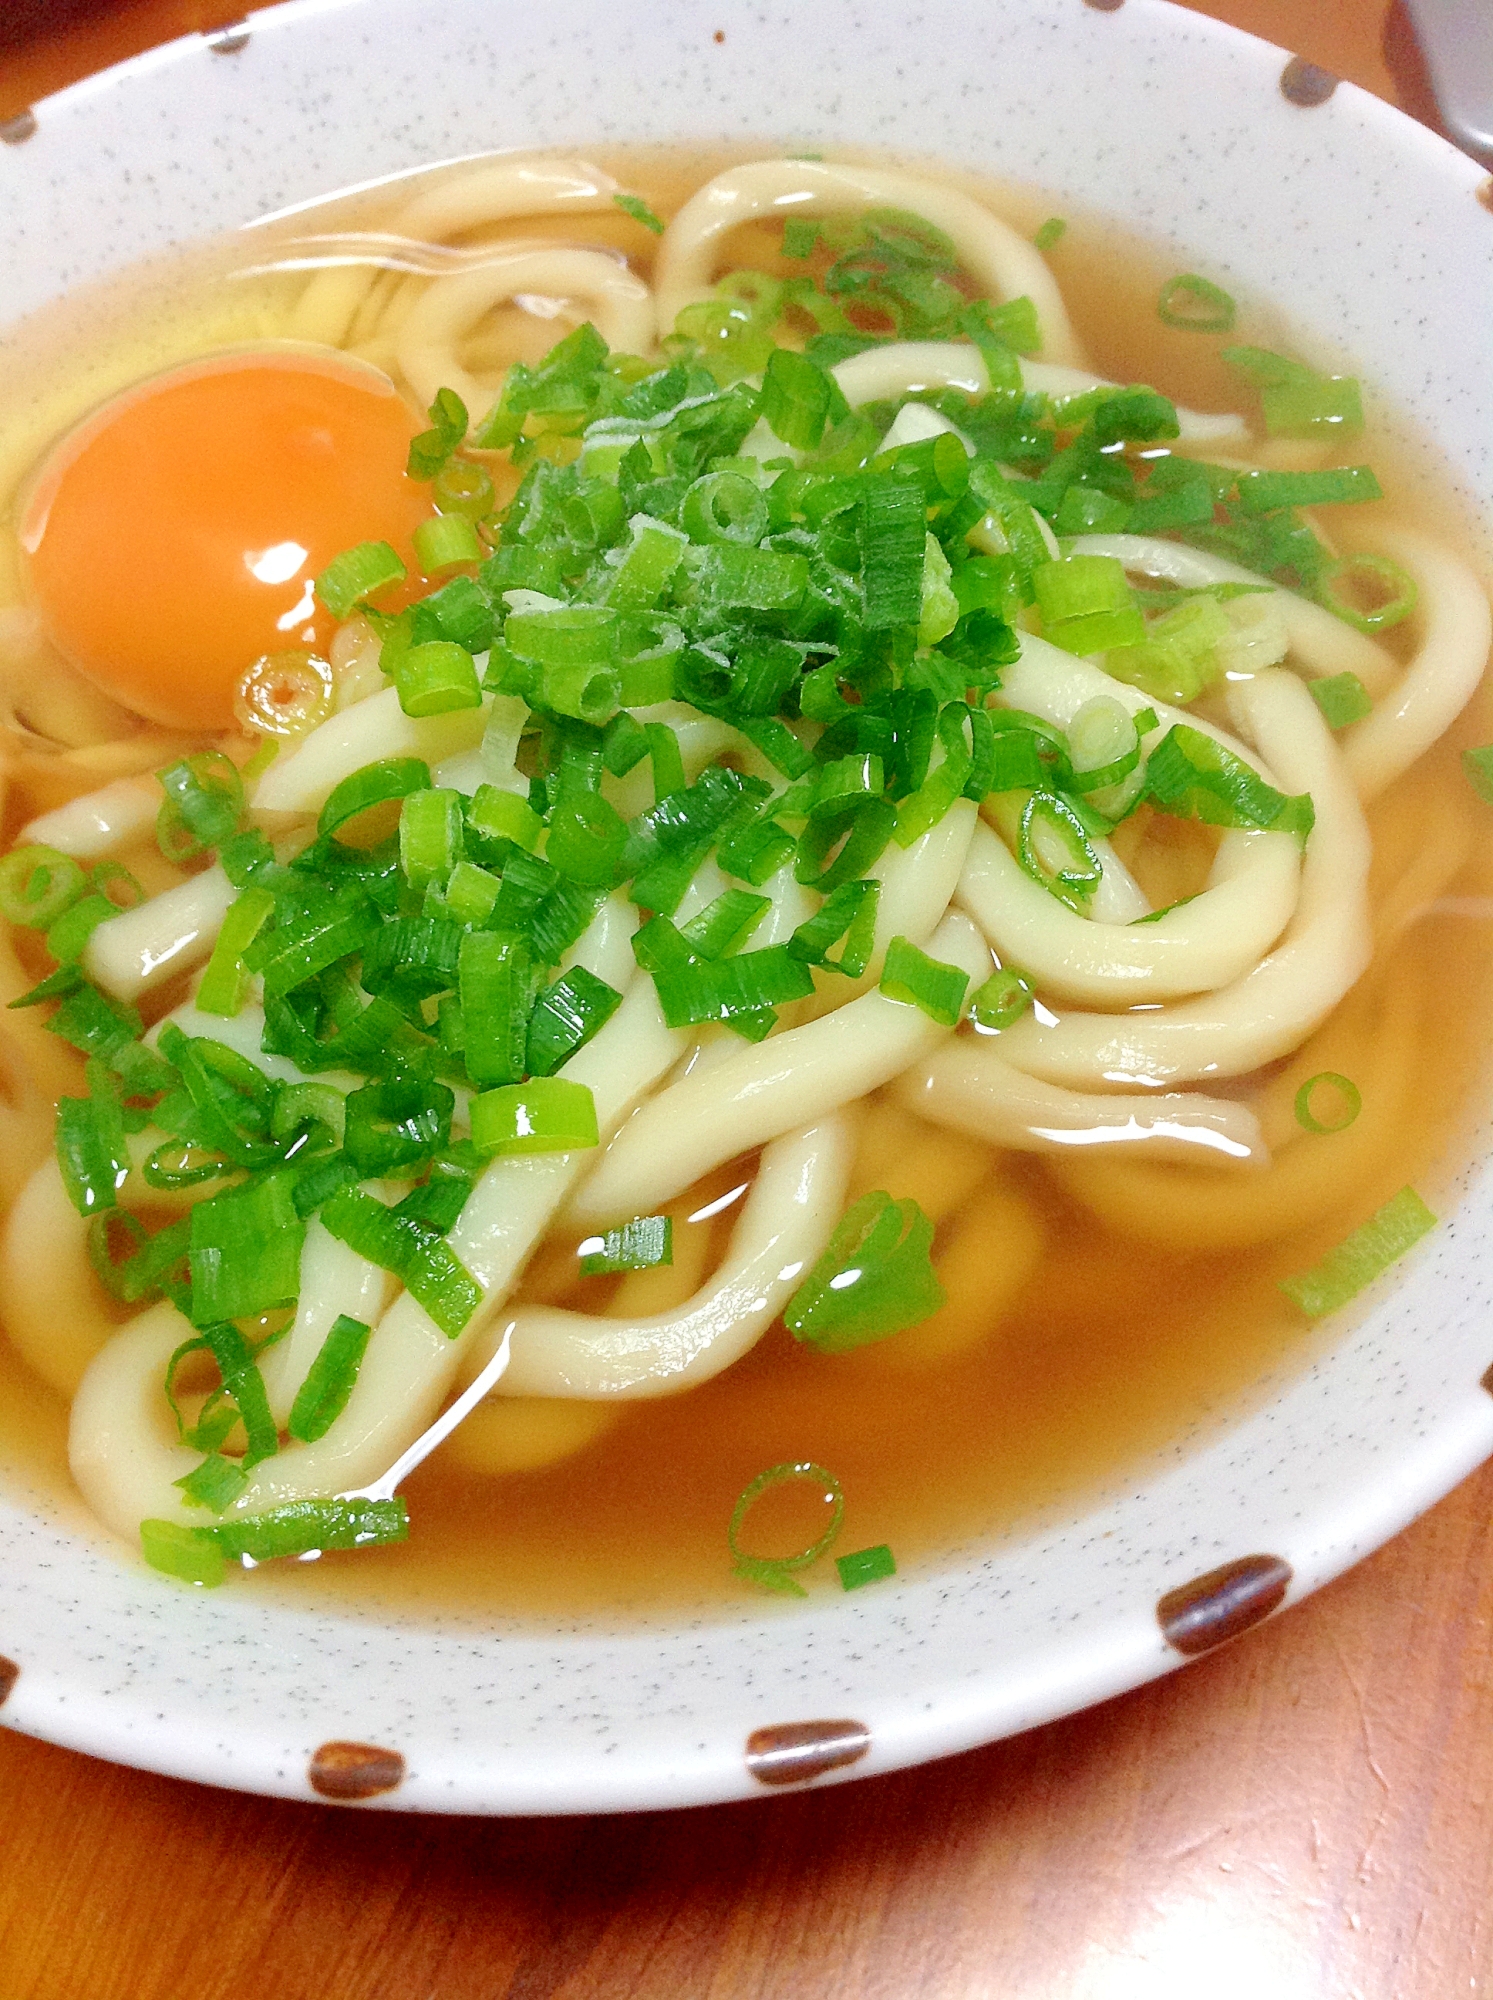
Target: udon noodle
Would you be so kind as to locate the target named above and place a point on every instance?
(1086, 816)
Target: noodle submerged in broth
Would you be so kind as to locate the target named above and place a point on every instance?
(855, 907)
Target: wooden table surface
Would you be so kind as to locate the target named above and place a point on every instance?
(1306, 1815)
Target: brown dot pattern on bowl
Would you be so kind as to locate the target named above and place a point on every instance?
(228, 39)
(790, 1753)
(1304, 83)
(10, 1673)
(14, 130)
(355, 1771)
(1222, 1603)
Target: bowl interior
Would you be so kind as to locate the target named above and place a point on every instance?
(1370, 232)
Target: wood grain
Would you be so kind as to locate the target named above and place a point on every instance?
(1305, 1815)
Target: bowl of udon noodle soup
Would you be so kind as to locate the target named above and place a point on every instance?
(746, 883)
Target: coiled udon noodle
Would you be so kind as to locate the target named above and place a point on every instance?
(1105, 1080)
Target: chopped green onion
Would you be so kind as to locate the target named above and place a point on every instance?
(848, 913)
(865, 1566)
(415, 1252)
(1478, 767)
(91, 1152)
(1350, 1102)
(37, 884)
(893, 531)
(911, 976)
(728, 988)
(437, 677)
(724, 925)
(545, 1115)
(430, 451)
(1192, 776)
(1265, 492)
(1363, 1256)
(1087, 605)
(204, 798)
(639, 1245)
(635, 206)
(68, 937)
(1103, 743)
(1054, 849)
(1342, 698)
(565, 1017)
(1390, 592)
(1051, 233)
(724, 508)
(462, 487)
(1195, 304)
(374, 785)
(874, 1279)
(493, 814)
(357, 574)
(225, 983)
(189, 1554)
(330, 1380)
(214, 1484)
(430, 829)
(446, 540)
(1000, 1002)
(1179, 656)
(776, 1572)
(395, 1124)
(245, 1250)
(796, 398)
(496, 987)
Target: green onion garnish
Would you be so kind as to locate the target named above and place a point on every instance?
(1000, 1002)
(636, 1246)
(1369, 592)
(911, 976)
(1478, 766)
(1193, 776)
(1265, 492)
(1087, 604)
(225, 982)
(635, 206)
(37, 884)
(445, 541)
(245, 1250)
(412, 1249)
(330, 1380)
(1297, 403)
(545, 1115)
(1196, 305)
(874, 1279)
(204, 798)
(1342, 698)
(1363, 1256)
(201, 1555)
(430, 451)
(1051, 233)
(357, 574)
(865, 1566)
(1349, 1102)
(777, 1573)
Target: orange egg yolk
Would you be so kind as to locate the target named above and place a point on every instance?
(174, 537)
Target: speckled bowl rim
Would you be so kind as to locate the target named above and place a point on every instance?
(1369, 228)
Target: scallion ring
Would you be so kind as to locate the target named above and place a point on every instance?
(1351, 1102)
(1369, 592)
(776, 1572)
(1195, 305)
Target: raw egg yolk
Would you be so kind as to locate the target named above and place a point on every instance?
(174, 537)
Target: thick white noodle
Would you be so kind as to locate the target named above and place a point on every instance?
(967, 1087)
(98, 823)
(614, 298)
(1320, 643)
(122, 1446)
(907, 367)
(372, 729)
(786, 1222)
(160, 937)
(1197, 947)
(499, 193)
(605, 945)
(757, 1093)
(56, 1315)
(1274, 1007)
(1000, 260)
(1453, 629)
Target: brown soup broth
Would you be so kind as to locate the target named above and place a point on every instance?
(1099, 1316)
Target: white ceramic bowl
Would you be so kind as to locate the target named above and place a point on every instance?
(1370, 231)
